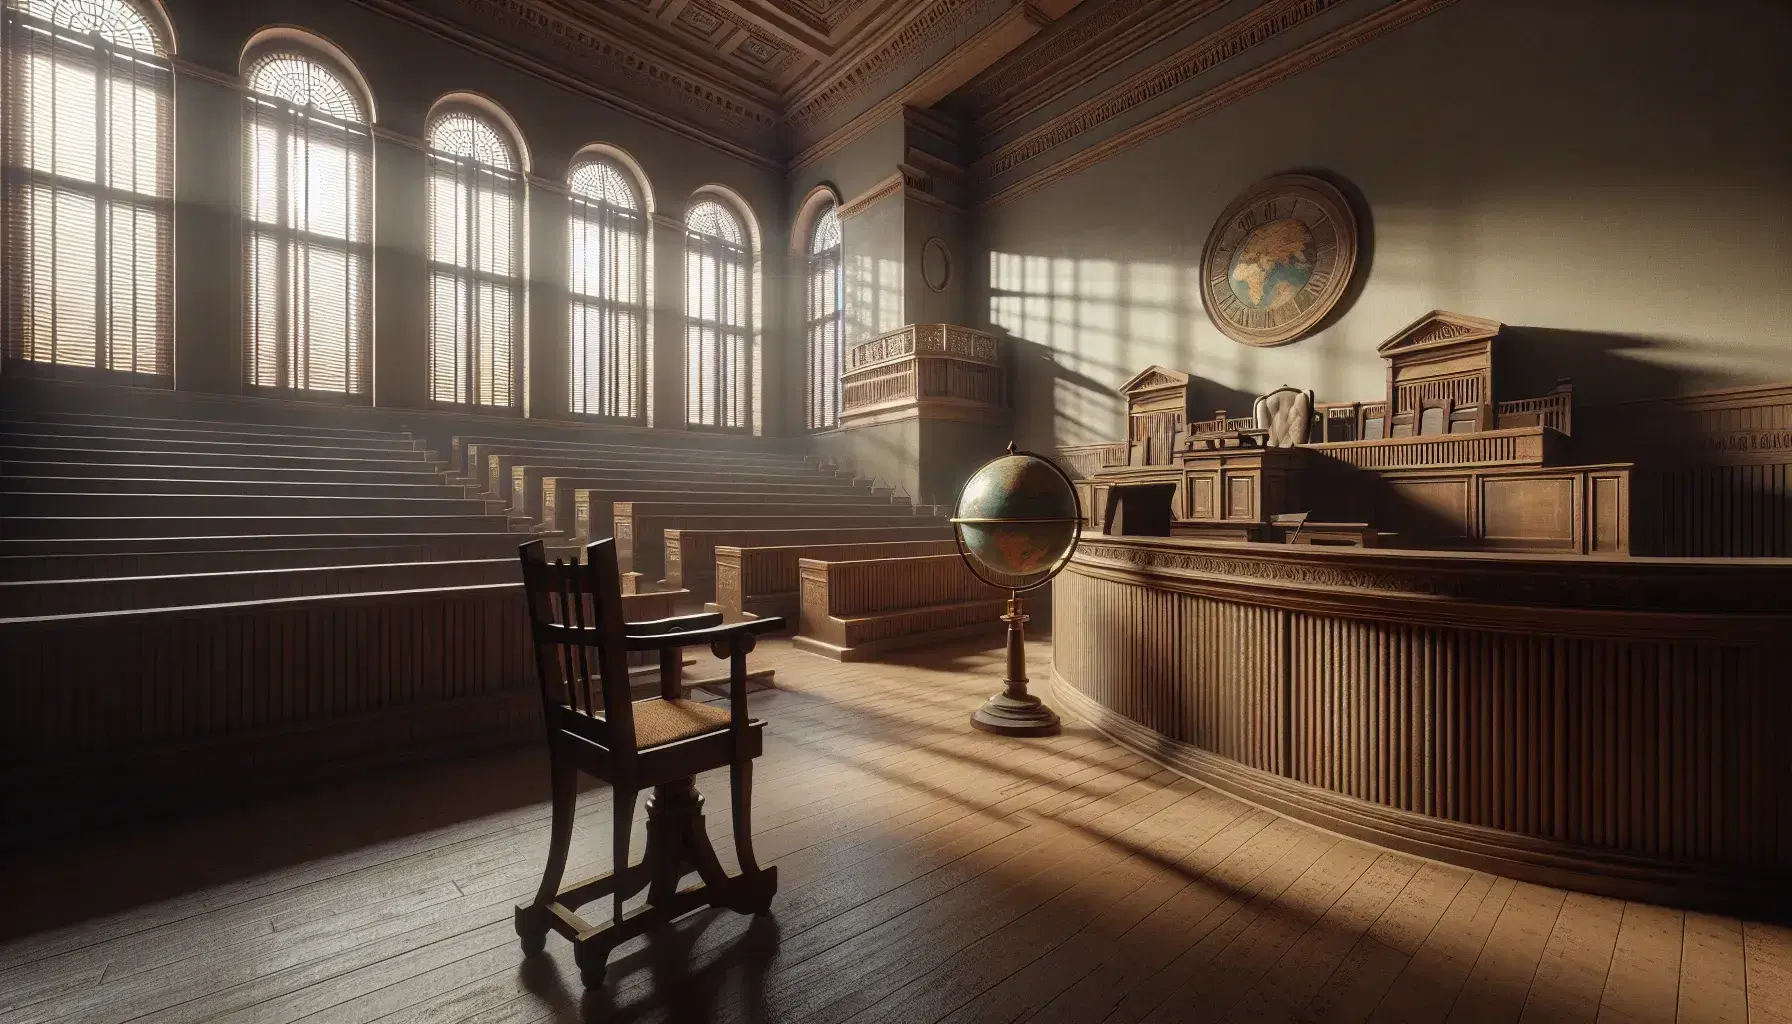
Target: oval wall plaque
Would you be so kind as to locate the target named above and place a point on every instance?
(936, 264)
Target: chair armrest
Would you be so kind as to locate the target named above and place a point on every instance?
(675, 624)
(731, 633)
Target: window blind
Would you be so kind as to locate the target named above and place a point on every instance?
(607, 286)
(717, 365)
(89, 188)
(825, 320)
(308, 245)
(475, 275)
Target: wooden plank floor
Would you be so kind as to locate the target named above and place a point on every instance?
(929, 873)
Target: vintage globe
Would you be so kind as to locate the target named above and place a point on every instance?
(1018, 521)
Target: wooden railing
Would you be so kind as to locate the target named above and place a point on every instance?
(1554, 410)
(925, 370)
(1085, 460)
(1528, 446)
(1615, 724)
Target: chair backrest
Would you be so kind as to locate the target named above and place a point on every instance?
(1285, 415)
(575, 616)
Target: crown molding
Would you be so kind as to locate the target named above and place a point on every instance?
(872, 196)
(485, 46)
(1372, 26)
(906, 181)
(1086, 48)
(807, 112)
(985, 48)
(1199, 57)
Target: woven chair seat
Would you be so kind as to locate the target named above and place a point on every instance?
(659, 721)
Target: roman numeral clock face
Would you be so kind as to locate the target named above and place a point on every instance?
(1278, 260)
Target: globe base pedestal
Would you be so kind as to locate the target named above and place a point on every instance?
(1007, 716)
(1014, 711)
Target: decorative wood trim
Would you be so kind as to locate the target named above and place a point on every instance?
(1395, 16)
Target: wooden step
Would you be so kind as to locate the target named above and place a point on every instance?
(80, 505)
(123, 527)
(867, 637)
(756, 582)
(165, 468)
(15, 568)
(444, 545)
(530, 486)
(221, 482)
(497, 473)
(65, 597)
(304, 448)
(284, 461)
(177, 430)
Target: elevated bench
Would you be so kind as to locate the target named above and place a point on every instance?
(691, 553)
(853, 611)
(760, 581)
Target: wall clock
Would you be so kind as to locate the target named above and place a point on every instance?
(1278, 260)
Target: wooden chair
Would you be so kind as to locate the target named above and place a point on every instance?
(575, 613)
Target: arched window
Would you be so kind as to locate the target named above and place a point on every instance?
(607, 286)
(89, 186)
(307, 178)
(475, 261)
(717, 358)
(825, 320)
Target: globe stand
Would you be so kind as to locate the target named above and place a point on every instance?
(1014, 711)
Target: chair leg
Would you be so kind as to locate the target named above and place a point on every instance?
(760, 884)
(532, 924)
(622, 823)
(741, 787)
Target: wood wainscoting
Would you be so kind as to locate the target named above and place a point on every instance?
(1609, 724)
(143, 711)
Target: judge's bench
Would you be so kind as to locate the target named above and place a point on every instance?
(1417, 619)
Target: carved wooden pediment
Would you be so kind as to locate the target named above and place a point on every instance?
(1440, 327)
(1153, 378)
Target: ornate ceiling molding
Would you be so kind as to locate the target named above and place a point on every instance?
(1083, 49)
(1252, 29)
(1394, 16)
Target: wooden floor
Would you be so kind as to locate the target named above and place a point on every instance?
(929, 872)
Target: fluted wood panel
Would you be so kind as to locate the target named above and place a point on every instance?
(1726, 511)
(1634, 738)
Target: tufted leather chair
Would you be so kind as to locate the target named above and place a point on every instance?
(1285, 416)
